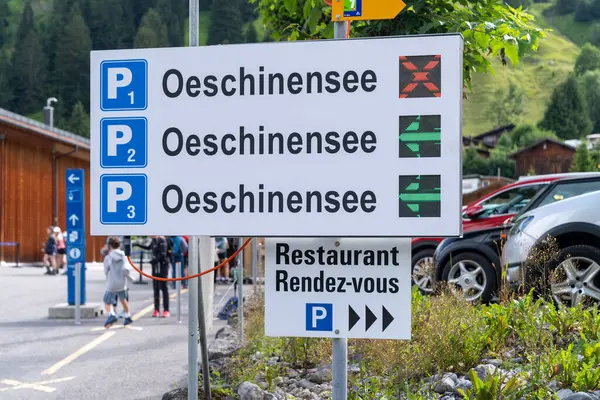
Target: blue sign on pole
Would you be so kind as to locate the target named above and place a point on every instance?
(75, 231)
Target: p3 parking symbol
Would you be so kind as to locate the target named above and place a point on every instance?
(123, 199)
(319, 317)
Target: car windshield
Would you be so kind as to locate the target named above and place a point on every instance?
(560, 191)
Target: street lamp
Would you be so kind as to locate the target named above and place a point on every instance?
(49, 111)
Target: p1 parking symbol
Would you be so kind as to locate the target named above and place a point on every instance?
(319, 317)
(124, 85)
(124, 142)
(123, 199)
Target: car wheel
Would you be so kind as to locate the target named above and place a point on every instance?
(471, 276)
(574, 276)
(423, 270)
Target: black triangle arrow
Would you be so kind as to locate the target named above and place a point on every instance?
(387, 319)
(371, 318)
(353, 318)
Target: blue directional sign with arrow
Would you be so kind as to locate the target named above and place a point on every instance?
(75, 198)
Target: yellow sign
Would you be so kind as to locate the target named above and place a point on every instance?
(356, 10)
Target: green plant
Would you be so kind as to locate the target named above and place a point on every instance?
(494, 387)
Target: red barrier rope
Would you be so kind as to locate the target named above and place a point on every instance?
(185, 278)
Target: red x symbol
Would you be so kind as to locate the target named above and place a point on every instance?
(420, 76)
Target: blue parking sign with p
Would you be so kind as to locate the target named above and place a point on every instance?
(319, 317)
(123, 199)
(124, 142)
(124, 85)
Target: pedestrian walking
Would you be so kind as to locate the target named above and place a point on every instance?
(117, 271)
(160, 268)
(61, 248)
(178, 251)
(222, 245)
(104, 251)
(49, 250)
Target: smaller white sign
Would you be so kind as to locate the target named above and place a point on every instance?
(338, 288)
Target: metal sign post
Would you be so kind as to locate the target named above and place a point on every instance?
(240, 277)
(178, 268)
(75, 240)
(339, 346)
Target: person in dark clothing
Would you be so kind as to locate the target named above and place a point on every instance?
(50, 253)
(160, 268)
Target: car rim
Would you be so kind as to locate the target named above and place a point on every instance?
(467, 278)
(576, 280)
(423, 274)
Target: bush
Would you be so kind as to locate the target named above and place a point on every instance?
(584, 12)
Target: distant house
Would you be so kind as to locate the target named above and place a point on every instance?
(593, 141)
(546, 156)
(486, 141)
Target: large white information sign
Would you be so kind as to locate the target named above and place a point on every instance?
(316, 138)
(338, 288)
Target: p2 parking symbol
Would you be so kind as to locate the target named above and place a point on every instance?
(124, 142)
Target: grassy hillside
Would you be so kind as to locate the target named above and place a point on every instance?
(578, 32)
(537, 73)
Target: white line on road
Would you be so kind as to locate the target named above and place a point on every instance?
(72, 357)
(101, 328)
(40, 386)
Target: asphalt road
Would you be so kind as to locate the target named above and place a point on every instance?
(55, 359)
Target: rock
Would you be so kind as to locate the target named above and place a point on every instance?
(306, 384)
(226, 332)
(305, 394)
(250, 391)
(176, 394)
(292, 373)
(484, 370)
(452, 376)
(517, 360)
(278, 381)
(564, 393)
(320, 376)
(464, 384)
(269, 396)
(553, 385)
(578, 396)
(448, 398)
(446, 384)
(495, 362)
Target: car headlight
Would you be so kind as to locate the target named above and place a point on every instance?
(521, 224)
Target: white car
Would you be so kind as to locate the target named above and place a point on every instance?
(556, 249)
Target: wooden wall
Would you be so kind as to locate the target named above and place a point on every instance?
(26, 197)
(552, 159)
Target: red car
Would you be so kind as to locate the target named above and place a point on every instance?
(488, 212)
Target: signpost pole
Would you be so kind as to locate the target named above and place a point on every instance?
(77, 293)
(178, 286)
(254, 255)
(241, 291)
(339, 346)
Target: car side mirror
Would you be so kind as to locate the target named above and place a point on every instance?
(474, 212)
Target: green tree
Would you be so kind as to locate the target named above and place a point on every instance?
(28, 67)
(582, 162)
(72, 63)
(563, 7)
(111, 24)
(508, 106)
(152, 32)
(226, 23)
(489, 27)
(584, 12)
(174, 25)
(4, 21)
(248, 11)
(251, 34)
(527, 134)
(590, 87)
(5, 88)
(473, 163)
(588, 59)
(79, 121)
(500, 162)
(140, 8)
(567, 113)
(595, 35)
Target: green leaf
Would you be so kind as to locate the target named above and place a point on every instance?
(313, 19)
(290, 5)
(308, 5)
(512, 52)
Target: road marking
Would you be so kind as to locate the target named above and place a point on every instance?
(72, 357)
(101, 328)
(40, 386)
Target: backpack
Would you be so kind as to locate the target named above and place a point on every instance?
(179, 248)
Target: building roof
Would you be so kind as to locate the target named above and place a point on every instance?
(39, 128)
(496, 131)
(541, 141)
